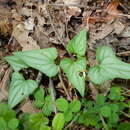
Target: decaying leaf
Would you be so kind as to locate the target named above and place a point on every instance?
(23, 38)
(28, 107)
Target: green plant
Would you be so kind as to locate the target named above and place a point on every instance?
(34, 122)
(73, 68)
(42, 102)
(58, 122)
(69, 109)
(105, 111)
(109, 67)
(8, 120)
(40, 122)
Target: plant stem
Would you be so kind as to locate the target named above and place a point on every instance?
(63, 85)
(51, 86)
(103, 122)
(125, 114)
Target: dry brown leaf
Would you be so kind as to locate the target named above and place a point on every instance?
(126, 32)
(28, 107)
(100, 33)
(72, 2)
(72, 10)
(3, 85)
(119, 27)
(112, 7)
(23, 38)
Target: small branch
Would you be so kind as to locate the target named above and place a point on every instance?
(125, 114)
(76, 5)
(103, 122)
(53, 26)
(123, 53)
(51, 86)
(63, 85)
(70, 124)
(94, 90)
(39, 77)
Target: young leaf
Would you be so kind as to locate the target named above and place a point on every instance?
(15, 62)
(114, 107)
(48, 106)
(72, 70)
(68, 116)
(42, 59)
(38, 103)
(106, 111)
(114, 118)
(20, 89)
(123, 125)
(39, 94)
(75, 106)
(3, 124)
(110, 67)
(37, 121)
(78, 44)
(115, 93)
(13, 123)
(58, 122)
(62, 104)
(100, 99)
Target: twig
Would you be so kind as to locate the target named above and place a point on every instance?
(125, 114)
(103, 122)
(39, 77)
(63, 85)
(94, 90)
(51, 86)
(50, 18)
(76, 5)
(11, 38)
(123, 53)
(75, 118)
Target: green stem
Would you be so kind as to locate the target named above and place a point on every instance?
(125, 114)
(103, 122)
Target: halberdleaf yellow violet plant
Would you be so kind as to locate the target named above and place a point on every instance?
(109, 67)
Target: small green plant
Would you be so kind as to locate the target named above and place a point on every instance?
(105, 112)
(40, 122)
(34, 122)
(109, 67)
(58, 122)
(8, 120)
(43, 102)
(69, 109)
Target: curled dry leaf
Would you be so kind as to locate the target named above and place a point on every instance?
(29, 24)
(4, 84)
(119, 27)
(72, 2)
(72, 10)
(28, 107)
(23, 38)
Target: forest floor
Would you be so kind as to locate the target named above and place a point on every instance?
(38, 24)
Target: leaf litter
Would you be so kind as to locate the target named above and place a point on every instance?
(36, 24)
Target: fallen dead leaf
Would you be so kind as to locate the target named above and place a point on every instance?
(27, 107)
(3, 85)
(23, 38)
(119, 27)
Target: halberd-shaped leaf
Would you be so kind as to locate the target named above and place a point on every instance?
(16, 63)
(73, 70)
(78, 44)
(20, 89)
(110, 67)
(42, 59)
